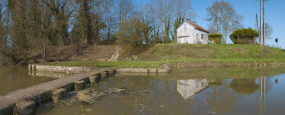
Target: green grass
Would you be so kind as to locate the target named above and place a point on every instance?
(162, 52)
(129, 64)
(155, 64)
(216, 54)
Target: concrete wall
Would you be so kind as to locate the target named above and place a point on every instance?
(62, 69)
(165, 69)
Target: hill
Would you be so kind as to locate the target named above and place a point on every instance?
(195, 55)
(213, 51)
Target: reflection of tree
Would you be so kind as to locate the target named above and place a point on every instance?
(221, 98)
(216, 83)
(244, 86)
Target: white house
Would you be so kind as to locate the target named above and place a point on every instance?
(190, 33)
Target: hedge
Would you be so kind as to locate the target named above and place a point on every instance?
(244, 36)
(217, 38)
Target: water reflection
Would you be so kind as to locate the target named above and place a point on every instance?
(220, 96)
(244, 86)
(187, 88)
(176, 94)
(18, 77)
(262, 86)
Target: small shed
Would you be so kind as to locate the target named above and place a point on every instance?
(190, 33)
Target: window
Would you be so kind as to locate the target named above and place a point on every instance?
(202, 37)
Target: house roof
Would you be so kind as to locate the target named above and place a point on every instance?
(198, 27)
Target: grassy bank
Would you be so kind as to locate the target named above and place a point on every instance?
(162, 52)
(131, 64)
(194, 55)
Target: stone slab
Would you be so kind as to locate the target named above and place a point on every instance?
(111, 72)
(94, 79)
(79, 85)
(105, 74)
(152, 70)
(69, 86)
(24, 108)
(7, 110)
(58, 94)
(139, 70)
(128, 70)
(133, 70)
(162, 70)
(87, 85)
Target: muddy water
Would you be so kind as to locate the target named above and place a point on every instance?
(229, 91)
(15, 78)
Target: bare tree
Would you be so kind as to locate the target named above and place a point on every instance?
(213, 16)
(130, 34)
(211, 28)
(126, 9)
(225, 17)
(163, 10)
(61, 15)
(268, 31)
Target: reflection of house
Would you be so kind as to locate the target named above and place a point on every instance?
(188, 88)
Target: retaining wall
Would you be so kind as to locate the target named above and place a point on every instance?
(62, 69)
(165, 69)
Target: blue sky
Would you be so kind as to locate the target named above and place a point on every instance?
(274, 15)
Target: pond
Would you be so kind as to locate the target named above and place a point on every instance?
(18, 77)
(228, 91)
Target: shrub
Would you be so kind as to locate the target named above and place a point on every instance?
(216, 38)
(244, 36)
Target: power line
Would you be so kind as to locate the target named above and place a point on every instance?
(275, 12)
(265, 12)
(250, 14)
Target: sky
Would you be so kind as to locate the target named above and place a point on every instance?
(274, 16)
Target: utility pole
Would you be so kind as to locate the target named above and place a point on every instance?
(260, 33)
(256, 28)
(264, 32)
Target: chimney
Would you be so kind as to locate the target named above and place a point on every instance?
(189, 20)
